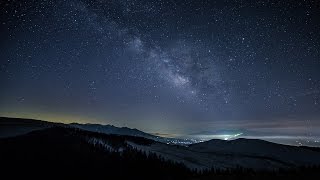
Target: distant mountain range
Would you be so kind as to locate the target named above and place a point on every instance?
(110, 129)
(219, 154)
(15, 126)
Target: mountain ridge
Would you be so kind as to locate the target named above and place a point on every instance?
(246, 153)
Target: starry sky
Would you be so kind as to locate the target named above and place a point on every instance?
(178, 68)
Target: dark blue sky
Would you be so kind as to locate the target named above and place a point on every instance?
(165, 66)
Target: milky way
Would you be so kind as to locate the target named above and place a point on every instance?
(179, 67)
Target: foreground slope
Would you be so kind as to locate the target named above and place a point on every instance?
(252, 154)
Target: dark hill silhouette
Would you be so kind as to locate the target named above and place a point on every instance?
(55, 150)
(64, 152)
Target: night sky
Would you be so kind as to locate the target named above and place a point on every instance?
(178, 68)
